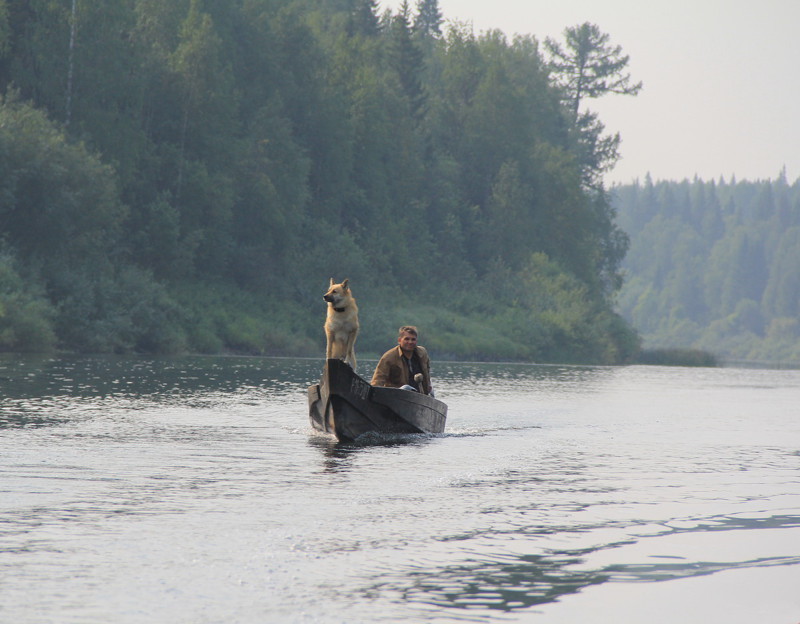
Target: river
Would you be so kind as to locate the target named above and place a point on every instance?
(193, 490)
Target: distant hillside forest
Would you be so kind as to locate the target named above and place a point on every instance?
(187, 176)
(715, 266)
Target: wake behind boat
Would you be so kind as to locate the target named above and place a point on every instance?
(347, 406)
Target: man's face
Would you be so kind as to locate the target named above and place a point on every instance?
(407, 343)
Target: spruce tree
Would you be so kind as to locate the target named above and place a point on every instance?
(364, 19)
(408, 61)
(428, 22)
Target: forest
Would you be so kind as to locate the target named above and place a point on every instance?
(713, 265)
(186, 176)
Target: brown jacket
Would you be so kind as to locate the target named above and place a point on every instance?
(392, 371)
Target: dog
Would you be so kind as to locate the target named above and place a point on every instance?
(341, 323)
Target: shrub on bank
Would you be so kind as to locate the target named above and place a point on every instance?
(677, 357)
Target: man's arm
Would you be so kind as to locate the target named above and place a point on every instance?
(426, 363)
(381, 373)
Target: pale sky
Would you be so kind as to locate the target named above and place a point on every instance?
(721, 93)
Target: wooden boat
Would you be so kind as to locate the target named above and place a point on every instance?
(347, 406)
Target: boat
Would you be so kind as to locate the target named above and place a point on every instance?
(346, 406)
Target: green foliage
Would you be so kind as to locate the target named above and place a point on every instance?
(428, 22)
(117, 312)
(588, 66)
(714, 266)
(62, 220)
(5, 31)
(60, 205)
(187, 175)
(219, 318)
(26, 316)
(677, 357)
(406, 58)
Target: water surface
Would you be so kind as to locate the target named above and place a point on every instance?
(193, 490)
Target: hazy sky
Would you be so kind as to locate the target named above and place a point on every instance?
(721, 92)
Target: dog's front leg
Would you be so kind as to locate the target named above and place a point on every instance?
(329, 346)
(350, 351)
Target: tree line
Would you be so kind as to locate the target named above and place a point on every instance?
(714, 265)
(187, 175)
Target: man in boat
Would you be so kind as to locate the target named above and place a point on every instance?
(400, 365)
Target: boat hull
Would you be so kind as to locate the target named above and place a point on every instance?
(346, 406)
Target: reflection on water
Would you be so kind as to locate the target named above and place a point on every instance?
(194, 489)
(162, 378)
(339, 456)
(514, 582)
(502, 585)
(674, 571)
(44, 390)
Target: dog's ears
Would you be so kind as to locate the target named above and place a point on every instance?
(344, 283)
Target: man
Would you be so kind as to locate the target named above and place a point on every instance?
(399, 365)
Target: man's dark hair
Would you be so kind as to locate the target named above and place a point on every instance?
(408, 329)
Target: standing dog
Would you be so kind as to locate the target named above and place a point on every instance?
(341, 324)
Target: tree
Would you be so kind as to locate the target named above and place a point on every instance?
(407, 61)
(363, 19)
(195, 64)
(5, 30)
(236, 150)
(71, 64)
(714, 257)
(59, 205)
(38, 42)
(203, 189)
(595, 153)
(589, 66)
(61, 216)
(782, 292)
(510, 231)
(428, 22)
